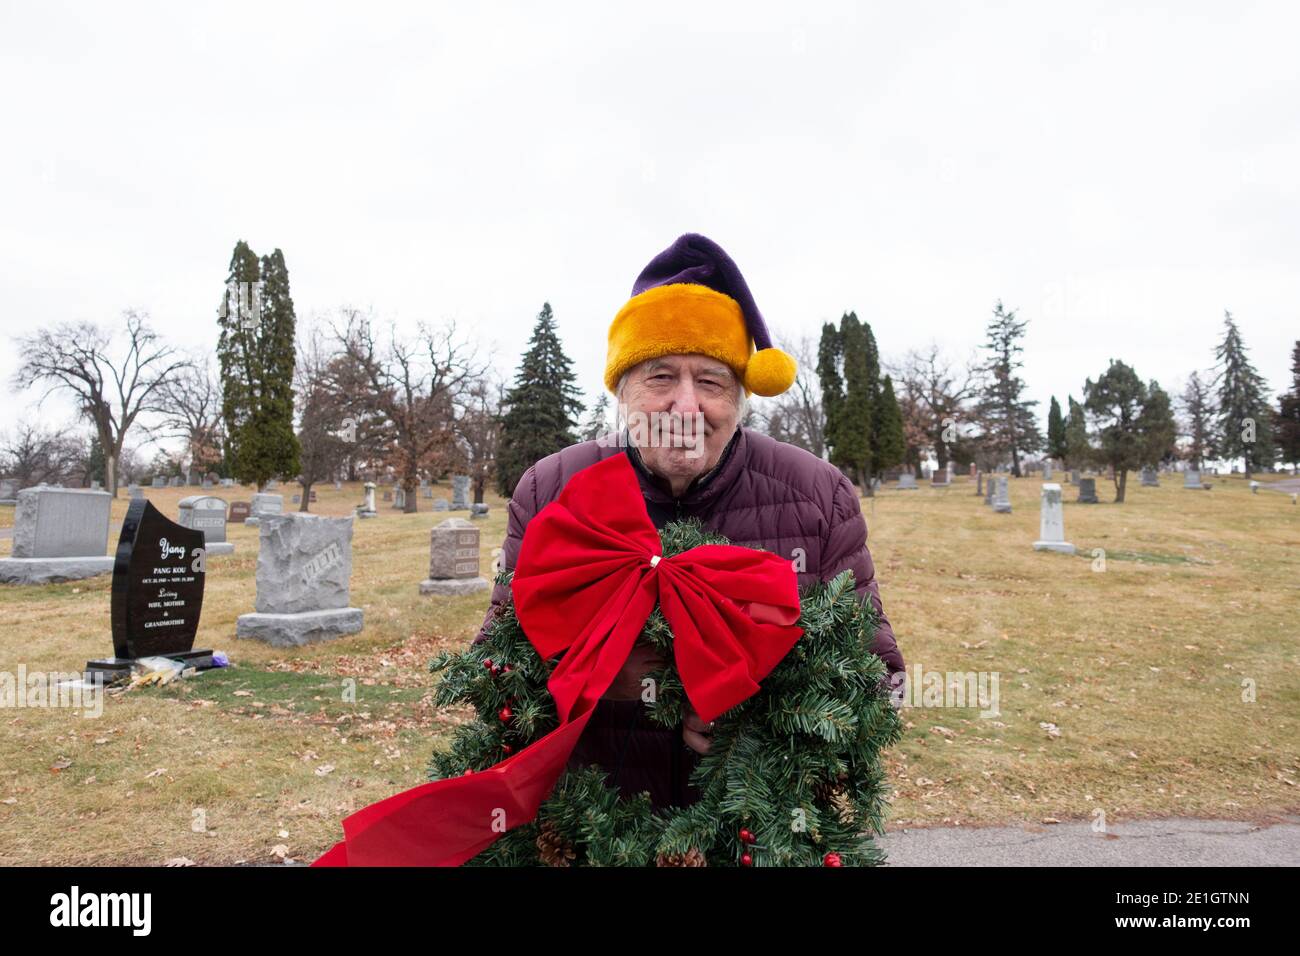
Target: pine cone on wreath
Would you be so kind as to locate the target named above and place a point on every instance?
(553, 849)
(692, 857)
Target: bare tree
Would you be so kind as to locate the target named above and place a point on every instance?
(416, 385)
(192, 412)
(111, 391)
(33, 455)
(795, 416)
(478, 427)
(324, 428)
(937, 392)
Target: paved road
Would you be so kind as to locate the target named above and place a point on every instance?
(1167, 842)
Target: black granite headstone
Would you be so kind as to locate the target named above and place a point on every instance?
(157, 592)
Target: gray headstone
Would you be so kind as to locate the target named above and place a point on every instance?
(1087, 491)
(478, 510)
(135, 491)
(338, 486)
(399, 499)
(264, 505)
(441, 504)
(296, 499)
(159, 481)
(227, 482)
(1002, 496)
(367, 508)
(204, 513)
(1074, 477)
(907, 481)
(454, 559)
(1192, 479)
(460, 492)
(272, 484)
(979, 483)
(304, 563)
(176, 481)
(1150, 479)
(388, 495)
(990, 487)
(1047, 471)
(8, 488)
(61, 523)
(428, 491)
(1051, 522)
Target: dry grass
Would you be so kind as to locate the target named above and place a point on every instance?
(1140, 667)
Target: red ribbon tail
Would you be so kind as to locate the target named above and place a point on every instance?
(337, 855)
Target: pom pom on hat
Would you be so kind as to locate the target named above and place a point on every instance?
(770, 372)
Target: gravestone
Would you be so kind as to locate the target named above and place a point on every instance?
(196, 480)
(304, 571)
(96, 486)
(1074, 477)
(428, 491)
(1087, 491)
(990, 487)
(1051, 522)
(388, 495)
(263, 505)
(441, 504)
(1192, 479)
(272, 485)
(1254, 487)
(939, 478)
(159, 481)
(239, 511)
(460, 492)
(338, 485)
(8, 491)
(1047, 471)
(1002, 497)
(1150, 479)
(227, 482)
(399, 499)
(176, 481)
(907, 481)
(135, 491)
(973, 470)
(979, 483)
(478, 510)
(60, 534)
(454, 559)
(206, 485)
(157, 595)
(207, 514)
(296, 499)
(367, 508)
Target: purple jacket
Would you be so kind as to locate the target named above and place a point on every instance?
(761, 493)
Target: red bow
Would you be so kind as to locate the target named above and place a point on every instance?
(588, 576)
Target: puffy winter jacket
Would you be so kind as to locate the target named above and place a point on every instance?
(762, 493)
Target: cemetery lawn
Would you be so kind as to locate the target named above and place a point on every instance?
(1119, 690)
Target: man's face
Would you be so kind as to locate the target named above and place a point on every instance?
(681, 412)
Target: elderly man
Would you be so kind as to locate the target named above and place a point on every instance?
(684, 354)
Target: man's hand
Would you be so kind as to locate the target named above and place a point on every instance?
(697, 734)
(627, 684)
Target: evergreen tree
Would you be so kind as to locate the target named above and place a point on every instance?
(1198, 420)
(1058, 446)
(1078, 449)
(1009, 419)
(542, 407)
(854, 448)
(256, 354)
(891, 446)
(1244, 414)
(1135, 426)
(829, 358)
(1287, 430)
(95, 461)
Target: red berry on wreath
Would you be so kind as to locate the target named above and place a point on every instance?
(488, 664)
(746, 836)
(832, 859)
(506, 748)
(746, 860)
(505, 713)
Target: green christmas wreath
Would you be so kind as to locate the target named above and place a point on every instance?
(793, 777)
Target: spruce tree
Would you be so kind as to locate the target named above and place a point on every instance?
(542, 407)
(256, 354)
(1244, 427)
(854, 448)
(829, 357)
(596, 421)
(1199, 417)
(1135, 426)
(1287, 430)
(891, 446)
(1009, 419)
(1078, 449)
(1057, 443)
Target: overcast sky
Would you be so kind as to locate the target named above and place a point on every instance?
(1119, 176)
